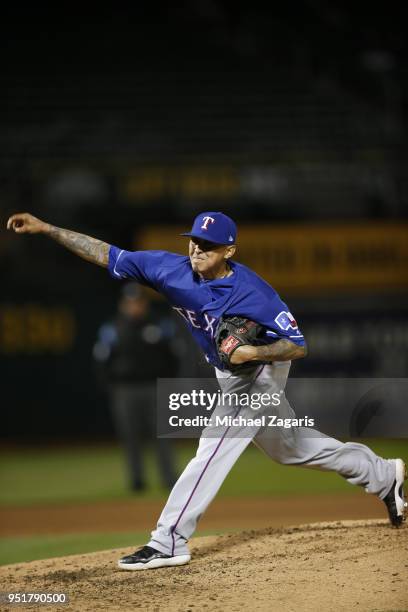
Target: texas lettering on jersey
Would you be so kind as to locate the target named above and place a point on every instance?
(192, 317)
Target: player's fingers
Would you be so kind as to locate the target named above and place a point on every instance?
(10, 222)
(16, 221)
(13, 219)
(18, 226)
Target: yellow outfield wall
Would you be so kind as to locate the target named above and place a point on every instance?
(304, 258)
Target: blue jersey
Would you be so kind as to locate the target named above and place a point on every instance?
(200, 302)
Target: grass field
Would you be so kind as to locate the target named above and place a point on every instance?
(76, 474)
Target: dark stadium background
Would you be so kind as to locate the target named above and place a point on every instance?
(292, 116)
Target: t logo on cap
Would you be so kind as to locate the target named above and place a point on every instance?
(214, 227)
(206, 222)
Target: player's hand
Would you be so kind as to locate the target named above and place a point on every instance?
(24, 223)
(243, 354)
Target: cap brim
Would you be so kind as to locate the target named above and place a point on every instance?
(202, 238)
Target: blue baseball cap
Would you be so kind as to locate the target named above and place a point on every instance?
(214, 227)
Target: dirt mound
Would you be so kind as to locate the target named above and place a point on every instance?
(322, 566)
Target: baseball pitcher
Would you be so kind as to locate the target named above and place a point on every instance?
(250, 337)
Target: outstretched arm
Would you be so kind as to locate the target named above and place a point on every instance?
(88, 248)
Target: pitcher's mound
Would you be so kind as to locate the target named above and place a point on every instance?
(346, 565)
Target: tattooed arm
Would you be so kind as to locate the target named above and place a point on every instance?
(282, 350)
(88, 248)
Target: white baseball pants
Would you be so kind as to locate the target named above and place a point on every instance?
(220, 447)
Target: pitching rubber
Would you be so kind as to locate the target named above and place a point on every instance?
(155, 563)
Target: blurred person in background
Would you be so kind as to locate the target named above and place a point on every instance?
(132, 351)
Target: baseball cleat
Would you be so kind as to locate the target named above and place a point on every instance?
(150, 558)
(395, 500)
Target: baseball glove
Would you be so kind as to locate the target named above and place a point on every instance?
(233, 332)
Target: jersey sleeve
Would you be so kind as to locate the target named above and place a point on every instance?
(256, 299)
(142, 266)
(281, 324)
